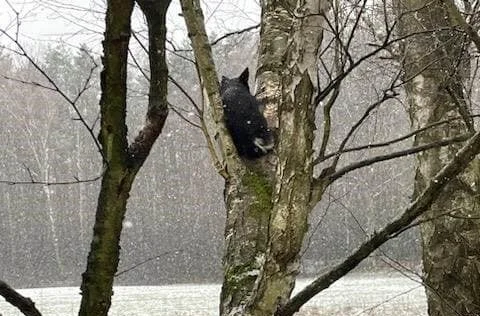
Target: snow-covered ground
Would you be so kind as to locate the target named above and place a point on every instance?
(359, 294)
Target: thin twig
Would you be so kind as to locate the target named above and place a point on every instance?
(146, 261)
(367, 162)
(389, 142)
(176, 111)
(57, 89)
(53, 183)
(239, 32)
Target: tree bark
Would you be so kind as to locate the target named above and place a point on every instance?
(122, 162)
(296, 118)
(24, 304)
(436, 66)
(247, 191)
(103, 257)
(276, 22)
(266, 222)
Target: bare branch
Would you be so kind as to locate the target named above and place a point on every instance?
(355, 25)
(216, 41)
(180, 114)
(367, 162)
(133, 267)
(248, 29)
(157, 111)
(24, 304)
(387, 94)
(457, 17)
(53, 183)
(56, 88)
(210, 89)
(422, 203)
(388, 41)
(86, 84)
(389, 142)
(137, 65)
(327, 124)
(186, 94)
(30, 174)
(31, 83)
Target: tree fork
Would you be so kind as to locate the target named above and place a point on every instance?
(122, 161)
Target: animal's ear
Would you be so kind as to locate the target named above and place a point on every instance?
(244, 77)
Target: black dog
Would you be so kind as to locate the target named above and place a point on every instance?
(243, 118)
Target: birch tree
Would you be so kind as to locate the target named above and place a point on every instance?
(436, 65)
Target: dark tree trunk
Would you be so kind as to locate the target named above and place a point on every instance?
(122, 162)
(104, 251)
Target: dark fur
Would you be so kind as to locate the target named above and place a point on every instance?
(243, 118)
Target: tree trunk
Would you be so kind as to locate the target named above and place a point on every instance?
(122, 162)
(436, 66)
(266, 218)
(247, 191)
(296, 123)
(103, 258)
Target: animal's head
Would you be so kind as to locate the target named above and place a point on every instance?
(239, 82)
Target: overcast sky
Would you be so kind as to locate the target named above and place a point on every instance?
(81, 21)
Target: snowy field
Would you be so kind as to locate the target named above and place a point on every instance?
(359, 294)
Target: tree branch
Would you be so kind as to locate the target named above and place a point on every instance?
(387, 94)
(253, 27)
(24, 304)
(54, 87)
(216, 41)
(457, 17)
(421, 204)
(155, 13)
(170, 78)
(48, 183)
(367, 162)
(389, 142)
(136, 265)
(219, 138)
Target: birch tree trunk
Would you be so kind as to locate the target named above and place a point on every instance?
(296, 124)
(266, 217)
(436, 66)
(240, 297)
